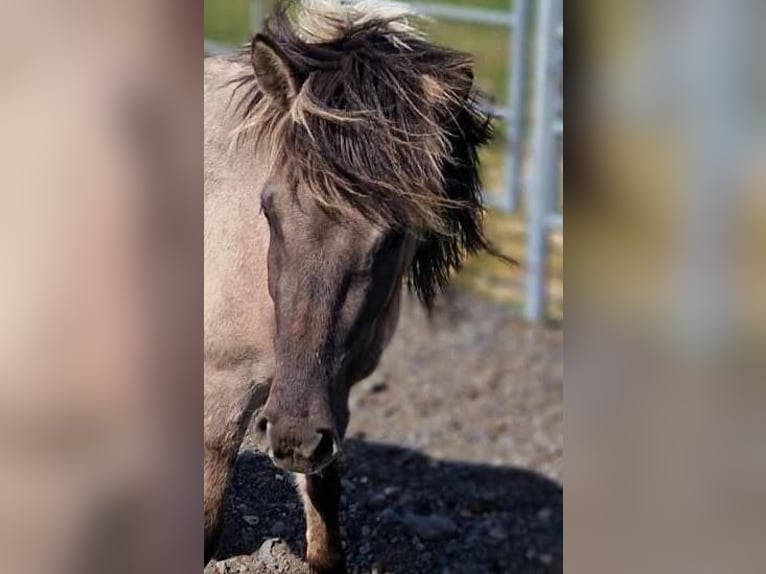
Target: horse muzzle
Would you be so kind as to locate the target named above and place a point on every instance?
(301, 450)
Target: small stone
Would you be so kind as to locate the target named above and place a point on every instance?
(266, 552)
(431, 527)
(376, 501)
(379, 388)
(365, 531)
(251, 519)
(545, 514)
(498, 533)
(279, 529)
(389, 516)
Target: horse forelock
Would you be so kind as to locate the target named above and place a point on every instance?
(327, 20)
(385, 126)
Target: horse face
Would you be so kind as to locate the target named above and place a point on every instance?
(335, 285)
(334, 278)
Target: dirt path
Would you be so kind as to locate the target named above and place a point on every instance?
(453, 462)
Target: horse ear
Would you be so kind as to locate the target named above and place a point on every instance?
(273, 71)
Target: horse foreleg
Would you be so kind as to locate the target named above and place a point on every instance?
(230, 400)
(219, 462)
(321, 503)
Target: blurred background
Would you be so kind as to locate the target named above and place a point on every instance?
(454, 457)
(101, 289)
(665, 339)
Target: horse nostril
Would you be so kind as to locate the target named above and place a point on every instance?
(261, 425)
(326, 447)
(279, 454)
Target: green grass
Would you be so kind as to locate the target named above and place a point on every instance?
(227, 21)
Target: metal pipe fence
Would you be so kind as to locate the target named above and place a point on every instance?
(543, 217)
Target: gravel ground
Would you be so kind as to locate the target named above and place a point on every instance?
(453, 463)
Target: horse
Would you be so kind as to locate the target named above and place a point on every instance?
(341, 168)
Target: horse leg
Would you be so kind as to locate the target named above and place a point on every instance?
(230, 400)
(219, 462)
(321, 502)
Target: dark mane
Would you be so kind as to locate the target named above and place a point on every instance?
(386, 126)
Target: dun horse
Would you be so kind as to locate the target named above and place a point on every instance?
(340, 165)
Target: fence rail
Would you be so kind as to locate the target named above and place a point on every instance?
(483, 16)
(216, 48)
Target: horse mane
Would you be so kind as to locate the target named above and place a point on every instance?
(386, 126)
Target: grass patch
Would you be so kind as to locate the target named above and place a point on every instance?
(227, 21)
(501, 282)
